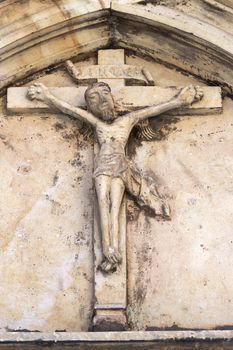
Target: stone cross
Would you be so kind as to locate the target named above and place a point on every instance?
(111, 289)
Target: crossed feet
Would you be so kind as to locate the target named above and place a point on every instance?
(112, 258)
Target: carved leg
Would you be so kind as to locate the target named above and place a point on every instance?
(116, 196)
(102, 185)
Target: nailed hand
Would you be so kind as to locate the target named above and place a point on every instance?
(190, 94)
(37, 91)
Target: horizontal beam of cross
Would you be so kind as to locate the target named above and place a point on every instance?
(127, 98)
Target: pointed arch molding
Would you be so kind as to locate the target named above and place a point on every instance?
(37, 34)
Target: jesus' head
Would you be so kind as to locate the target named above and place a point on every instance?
(100, 101)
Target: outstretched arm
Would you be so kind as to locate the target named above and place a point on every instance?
(185, 97)
(40, 92)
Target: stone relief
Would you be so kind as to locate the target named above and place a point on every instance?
(192, 45)
(114, 174)
(112, 99)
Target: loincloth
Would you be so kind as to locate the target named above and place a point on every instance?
(113, 165)
(140, 186)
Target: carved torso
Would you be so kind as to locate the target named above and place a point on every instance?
(112, 138)
(115, 133)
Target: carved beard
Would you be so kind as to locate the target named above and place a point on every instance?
(107, 114)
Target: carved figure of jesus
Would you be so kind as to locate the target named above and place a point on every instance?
(113, 173)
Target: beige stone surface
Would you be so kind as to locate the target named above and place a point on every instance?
(180, 271)
(46, 270)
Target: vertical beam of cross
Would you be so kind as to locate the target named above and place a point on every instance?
(110, 289)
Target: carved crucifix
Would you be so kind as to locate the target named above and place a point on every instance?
(114, 174)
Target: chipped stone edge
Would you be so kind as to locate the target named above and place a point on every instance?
(117, 337)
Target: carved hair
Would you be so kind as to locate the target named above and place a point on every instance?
(95, 85)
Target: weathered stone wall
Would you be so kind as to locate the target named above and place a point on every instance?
(178, 271)
(46, 205)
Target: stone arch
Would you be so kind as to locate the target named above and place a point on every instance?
(36, 35)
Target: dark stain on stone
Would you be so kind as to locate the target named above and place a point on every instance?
(80, 239)
(170, 3)
(144, 261)
(6, 142)
(133, 211)
(24, 169)
(55, 178)
(224, 328)
(20, 330)
(106, 325)
(174, 327)
(147, 210)
(57, 208)
(113, 269)
(78, 179)
(141, 294)
(50, 69)
(162, 127)
(67, 135)
(77, 161)
(83, 136)
(59, 126)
